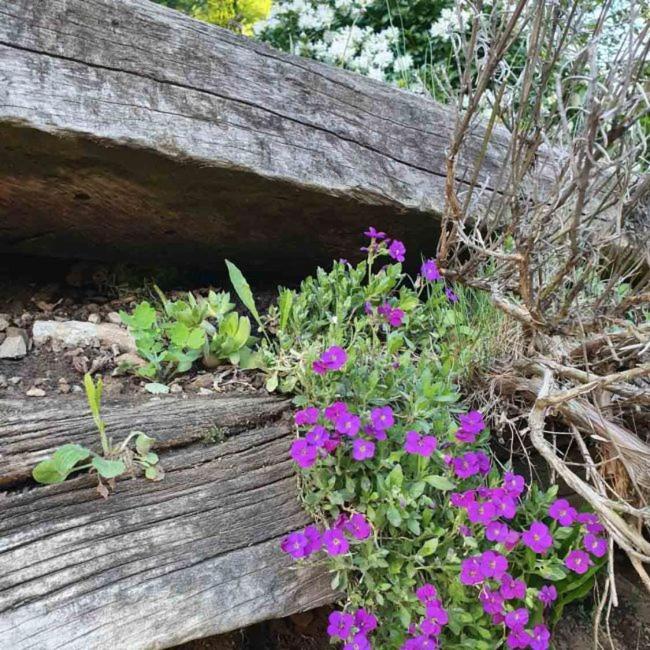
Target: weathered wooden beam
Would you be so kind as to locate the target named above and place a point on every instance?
(160, 563)
(130, 130)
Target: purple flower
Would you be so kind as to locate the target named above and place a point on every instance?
(303, 454)
(451, 296)
(424, 446)
(296, 545)
(334, 357)
(314, 543)
(358, 642)
(429, 271)
(492, 601)
(483, 462)
(512, 540)
(481, 512)
(307, 415)
(334, 541)
(430, 627)
(374, 234)
(547, 594)
(578, 562)
(512, 589)
(397, 250)
(465, 531)
(348, 424)
(462, 499)
(595, 545)
(362, 449)
(493, 565)
(540, 637)
(505, 507)
(516, 619)
(335, 410)
(466, 465)
(340, 624)
(317, 436)
(470, 571)
(332, 442)
(358, 526)
(518, 638)
(590, 521)
(538, 537)
(497, 531)
(396, 317)
(562, 512)
(365, 621)
(513, 484)
(426, 594)
(378, 434)
(382, 418)
(472, 422)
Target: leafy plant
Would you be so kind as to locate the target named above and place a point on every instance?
(429, 539)
(173, 337)
(114, 461)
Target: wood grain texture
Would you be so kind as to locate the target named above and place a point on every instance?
(190, 134)
(157, 563)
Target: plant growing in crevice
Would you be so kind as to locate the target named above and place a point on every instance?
(172, 337)
(114, 460)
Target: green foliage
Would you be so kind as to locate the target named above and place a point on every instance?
(172, 337)
(112, 463)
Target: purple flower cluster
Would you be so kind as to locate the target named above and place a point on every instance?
(333, 541)
(426, 634)
(392, 315)
(352, 628)
(336, 425)
(471, 424)
(393, 247)
(334, 358)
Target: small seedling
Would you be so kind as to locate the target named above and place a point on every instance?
(114, 461)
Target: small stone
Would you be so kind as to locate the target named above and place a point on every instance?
(4, 322)
(114, 317)
(130, 359)
(176, 388)
(14, 381)
(203, 381)
(95, 319)
(78, 333)
(35, 392)
(15, 345)
(77, 389)
(39, 381)
(205, 391)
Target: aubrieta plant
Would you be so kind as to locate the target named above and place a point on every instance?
(433, 545)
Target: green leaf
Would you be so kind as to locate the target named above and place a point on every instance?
(396, 477)
(178, 334)
(154, 473)
(243, 290)
(143, 316)
(56, 469)
(93, 394)
(394, 516)
(285, 302)
(156, 389)
(429, 547)
(272, 382)
(440, 482)
(108, 468)
(143, 444)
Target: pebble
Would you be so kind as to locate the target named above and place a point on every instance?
(35, 392)
(95, 319)
(14, 381)
(176, 388)
(203, 381)
(205, 391)
(77, 389)
(4, 322)
(64, 386)
(114, 318)
(15, 345)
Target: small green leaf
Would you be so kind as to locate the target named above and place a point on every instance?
(272, 382)
(154, 473)
(243, 290)
(440, 482)
(143, 443)
(429, 547)
(393, 516)
(108, 468)
(47, 473)
(396, 477)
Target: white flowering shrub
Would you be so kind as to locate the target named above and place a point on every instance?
(388, 40)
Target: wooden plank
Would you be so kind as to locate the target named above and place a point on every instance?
(197, 141)
(157, 563)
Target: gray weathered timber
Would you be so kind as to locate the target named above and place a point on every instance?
(130, 130)
(156, 564)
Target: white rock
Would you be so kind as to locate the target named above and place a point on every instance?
(95, 319)
(15, 345)
(4, 322)
(35, 392)
(114, 318)
(77, 333)
(131, 359)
